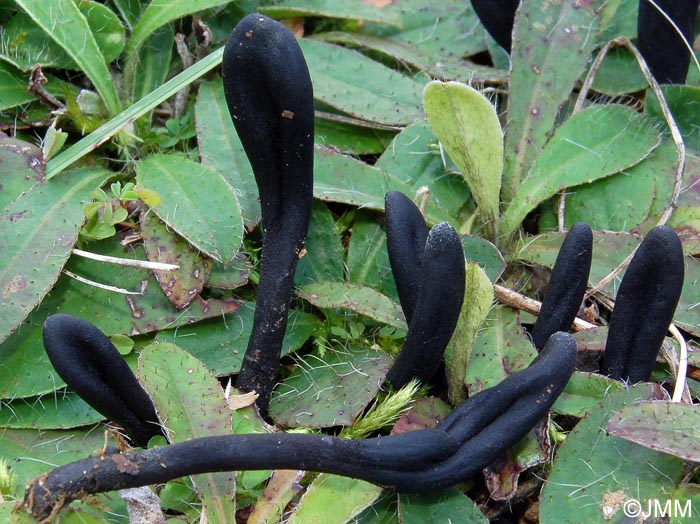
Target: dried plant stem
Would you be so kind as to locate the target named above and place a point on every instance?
(145, 264)
(680, 391)
(100, 286)
(521, 302)
(675, 134)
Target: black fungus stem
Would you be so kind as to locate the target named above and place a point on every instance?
(644, 306)
(439, 300)
(663, 49)
(467, 440)
(498, 17)
(269, 95)
(87, 361)
(406, 234)
(567, 285)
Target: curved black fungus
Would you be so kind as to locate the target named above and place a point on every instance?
(567, 284)
(440, 296)
(92, 367)
(644, 306)
(498, 17)
(660, 44)
(270, 98)
(406, 234)
(466, 441)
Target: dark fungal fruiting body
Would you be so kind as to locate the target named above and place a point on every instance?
(406, 234)
(438, 302)
(270, 98)
(467, 440)
(498, 17)
(644, 306)
(92, 367)
(662, 47)
(567, 285)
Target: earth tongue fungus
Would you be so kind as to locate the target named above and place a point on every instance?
(662, 45)
(427, 273)
(406, 234)
(567, 285)
(467, 440)
(644, 306)
(92, 367)
(276, 127)
(270, 98)
(663, 48)
(498, 17)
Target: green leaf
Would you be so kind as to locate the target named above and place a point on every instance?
(592, 144)
(381, 512)
(484, 253)
(359, 12)
(41, 228)
(624, 200)
(500, 349)
(349, 138)
(181, 285)
(60, 410)
(683, 101)
(362, 300)
(329, 391)
(338, 178)
(323, 258)
(63, 22)
(449, 28)
(553, 42)
(368, 261)
(334, 500)
(145, 311)
(438, 65)
(662, 426)
(154, 62)
(10, 515)
(32, 453)
(619, 74)
(232, 275)
(478, 298)
(437, 507)
(133, 112)
(594, 474)
(197, 203)
(22, 168)
(13, 87)
(190, 404)
(221, 344)
(583, 392)
(221, 149)
(156, 15)
(466, 123)
(358, 86)
(414, 158)
(25, 44)
(109, 32)
(26, 369)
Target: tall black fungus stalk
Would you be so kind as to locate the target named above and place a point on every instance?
(498, 17)
(428, 268)
(406, 234)
(644, 306)
(660, 43)
(566, 286)
(270, 97)
(467, 440)
(92, 367)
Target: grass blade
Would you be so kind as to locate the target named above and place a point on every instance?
(64, 23)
